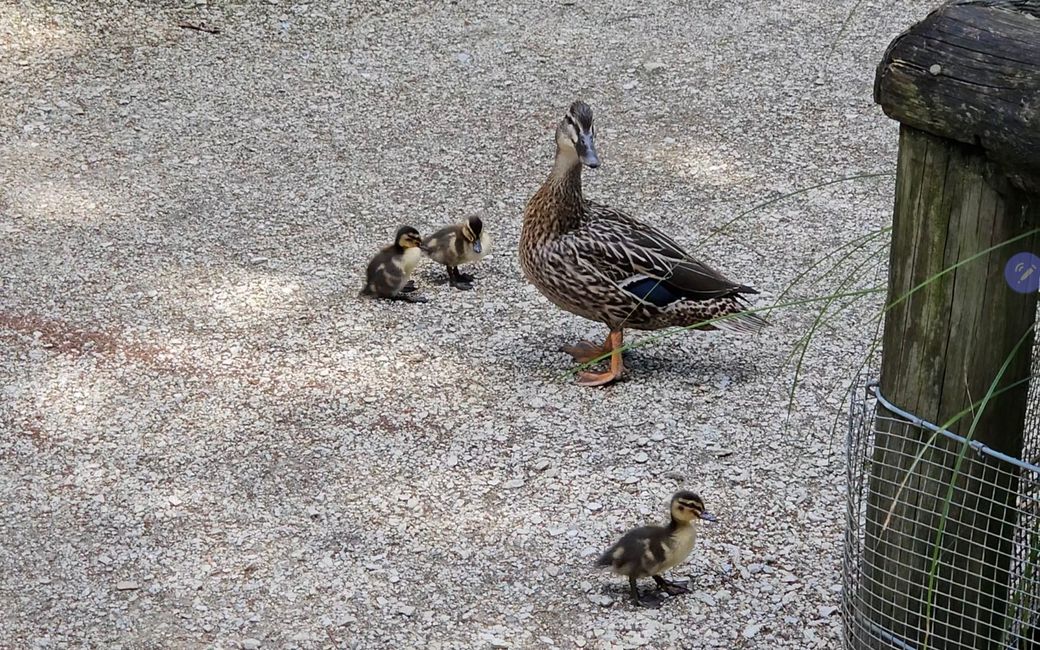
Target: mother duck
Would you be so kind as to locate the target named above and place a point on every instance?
(599, 263)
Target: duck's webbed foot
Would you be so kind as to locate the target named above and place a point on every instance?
(464, 277)
(585, 351)
(617, 366)
(672, 588)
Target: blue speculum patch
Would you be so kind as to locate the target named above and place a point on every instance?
(653, 291)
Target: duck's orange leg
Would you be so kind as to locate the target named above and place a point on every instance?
(617, 367)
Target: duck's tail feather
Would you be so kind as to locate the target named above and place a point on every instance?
(744, 322)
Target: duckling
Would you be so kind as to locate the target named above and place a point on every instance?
(461, 243)
(652, 550)
(390, 271)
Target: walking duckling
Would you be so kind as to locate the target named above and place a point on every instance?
(649, 551)
(461, 243)
(390, 271)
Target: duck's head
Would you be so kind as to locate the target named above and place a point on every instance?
(471, 231)
(576, 136)
(407, 237)
(688, 507)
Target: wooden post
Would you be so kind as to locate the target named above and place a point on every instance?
(965, 85)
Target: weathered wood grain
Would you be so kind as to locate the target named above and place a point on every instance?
(970, 71)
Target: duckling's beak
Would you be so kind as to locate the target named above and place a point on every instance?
(707, 516)
(476, 246)
(586, 148)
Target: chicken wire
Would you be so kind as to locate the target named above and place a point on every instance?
(962, 592)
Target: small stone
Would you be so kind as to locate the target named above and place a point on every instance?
(826, 611)
(541, 464)
(127, 585)
(641, 457)
(602, 600)
(657, 436)
(629, 85)
(513, 484)
(935, 68)
(751, 631)
(555, 531)
(594, 506)
(406, 610)
(174, 500)
(250, 644)
(653, 66)
(104, 559)
(259, 259)
(705, 598)
(451, 460)
(498, 643)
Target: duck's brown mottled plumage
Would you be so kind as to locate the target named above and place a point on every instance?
(600, 263)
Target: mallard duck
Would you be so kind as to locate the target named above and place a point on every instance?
(390, 271)
(649, 551)
(461, 243)
(599, 263)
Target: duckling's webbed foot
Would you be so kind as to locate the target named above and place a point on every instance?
(410, 287)
(459, 280)
(672, 588)
(638, 600)
(409, 297)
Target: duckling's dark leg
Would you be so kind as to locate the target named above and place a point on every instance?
(617, 367)
(673, 588)
(456, 279)
(464, 277)
(637, 600)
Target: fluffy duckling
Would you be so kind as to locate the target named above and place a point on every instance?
(652, 550)
(390, 271)
(461, 243)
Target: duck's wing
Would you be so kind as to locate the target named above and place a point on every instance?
(644, 261)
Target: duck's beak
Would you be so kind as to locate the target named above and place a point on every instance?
(707, 516)
(586, 148)
(476, 246)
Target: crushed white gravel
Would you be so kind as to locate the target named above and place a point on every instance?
(207, 439)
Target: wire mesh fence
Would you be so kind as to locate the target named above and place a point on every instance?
(942, 546)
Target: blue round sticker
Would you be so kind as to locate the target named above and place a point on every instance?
(1023, 273)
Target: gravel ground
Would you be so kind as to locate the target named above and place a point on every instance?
(210, 441)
